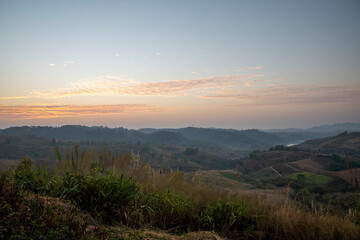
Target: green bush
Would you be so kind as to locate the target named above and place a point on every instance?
(228, 215)
(37, 180)
(167, 210)
(35, 204)
(24, 175)
(24, 215)
(108, 196)
(105, 196)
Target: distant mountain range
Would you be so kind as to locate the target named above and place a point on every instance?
(244, 140)
(340, 144)
(188, 148)
(334, 128)
(240, 140)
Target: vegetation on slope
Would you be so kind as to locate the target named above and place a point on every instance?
(349, 142)
(243, 140)
(85, 195)
(311, 178)
(166, 156)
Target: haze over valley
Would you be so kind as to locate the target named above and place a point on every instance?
(207, 119)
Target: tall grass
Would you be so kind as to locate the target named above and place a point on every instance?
(123, 189)
(285, 218)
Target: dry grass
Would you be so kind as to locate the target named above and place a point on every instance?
(284, 218)
(276, 217)
(131, 166)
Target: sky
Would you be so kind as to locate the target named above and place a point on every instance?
(165, 63)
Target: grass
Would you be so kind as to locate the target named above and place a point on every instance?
(231, 176)
(90, 197)
(311, 178)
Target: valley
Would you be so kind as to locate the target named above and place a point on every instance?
(318, 176)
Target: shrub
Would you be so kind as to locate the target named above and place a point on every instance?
(24, 175)
(37, 180)
(28, 216)
(124, 189)
(167, 210)
(105, 196)
(227, 216)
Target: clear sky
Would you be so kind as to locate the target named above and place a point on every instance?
(166, 63)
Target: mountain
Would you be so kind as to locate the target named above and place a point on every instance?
(285, 130)
(333, 129)
(244, 140)
(230, 142)
(158, 155)
(84, 133)
(235, 139)
(344, 142)
(298, 135)
(73, 132)
(338, 127)
(317, 171)
(329, 156)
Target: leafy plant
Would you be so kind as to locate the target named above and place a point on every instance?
(227, 216)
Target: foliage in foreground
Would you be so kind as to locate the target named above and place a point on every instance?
(123, 190)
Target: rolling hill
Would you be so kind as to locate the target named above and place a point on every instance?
(245, 140)
(317, 170)
(345, 142)
(159, 154)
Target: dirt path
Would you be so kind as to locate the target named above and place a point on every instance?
(275, 171)
(295, 169)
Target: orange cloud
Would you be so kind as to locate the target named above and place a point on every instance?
(54, 111)
(112, 85)
(278, 94)
(15, 97)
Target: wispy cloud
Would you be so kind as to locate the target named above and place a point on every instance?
(281, 93)
(113, 85)
(250, 68)
(157, 54)
(55, 111)
(117, 55)
(66, 63)
(15, 97)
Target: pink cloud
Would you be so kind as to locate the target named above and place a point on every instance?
(54, 111)
(280, 93)
(113, 85)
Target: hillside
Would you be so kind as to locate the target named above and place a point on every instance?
(299, 135)
(120, 197)
(334, 128)
(327, 155)
(348, 142)
(242, 141)
(318, 176)
(159, 154)
(319, 184)
(246, 140)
